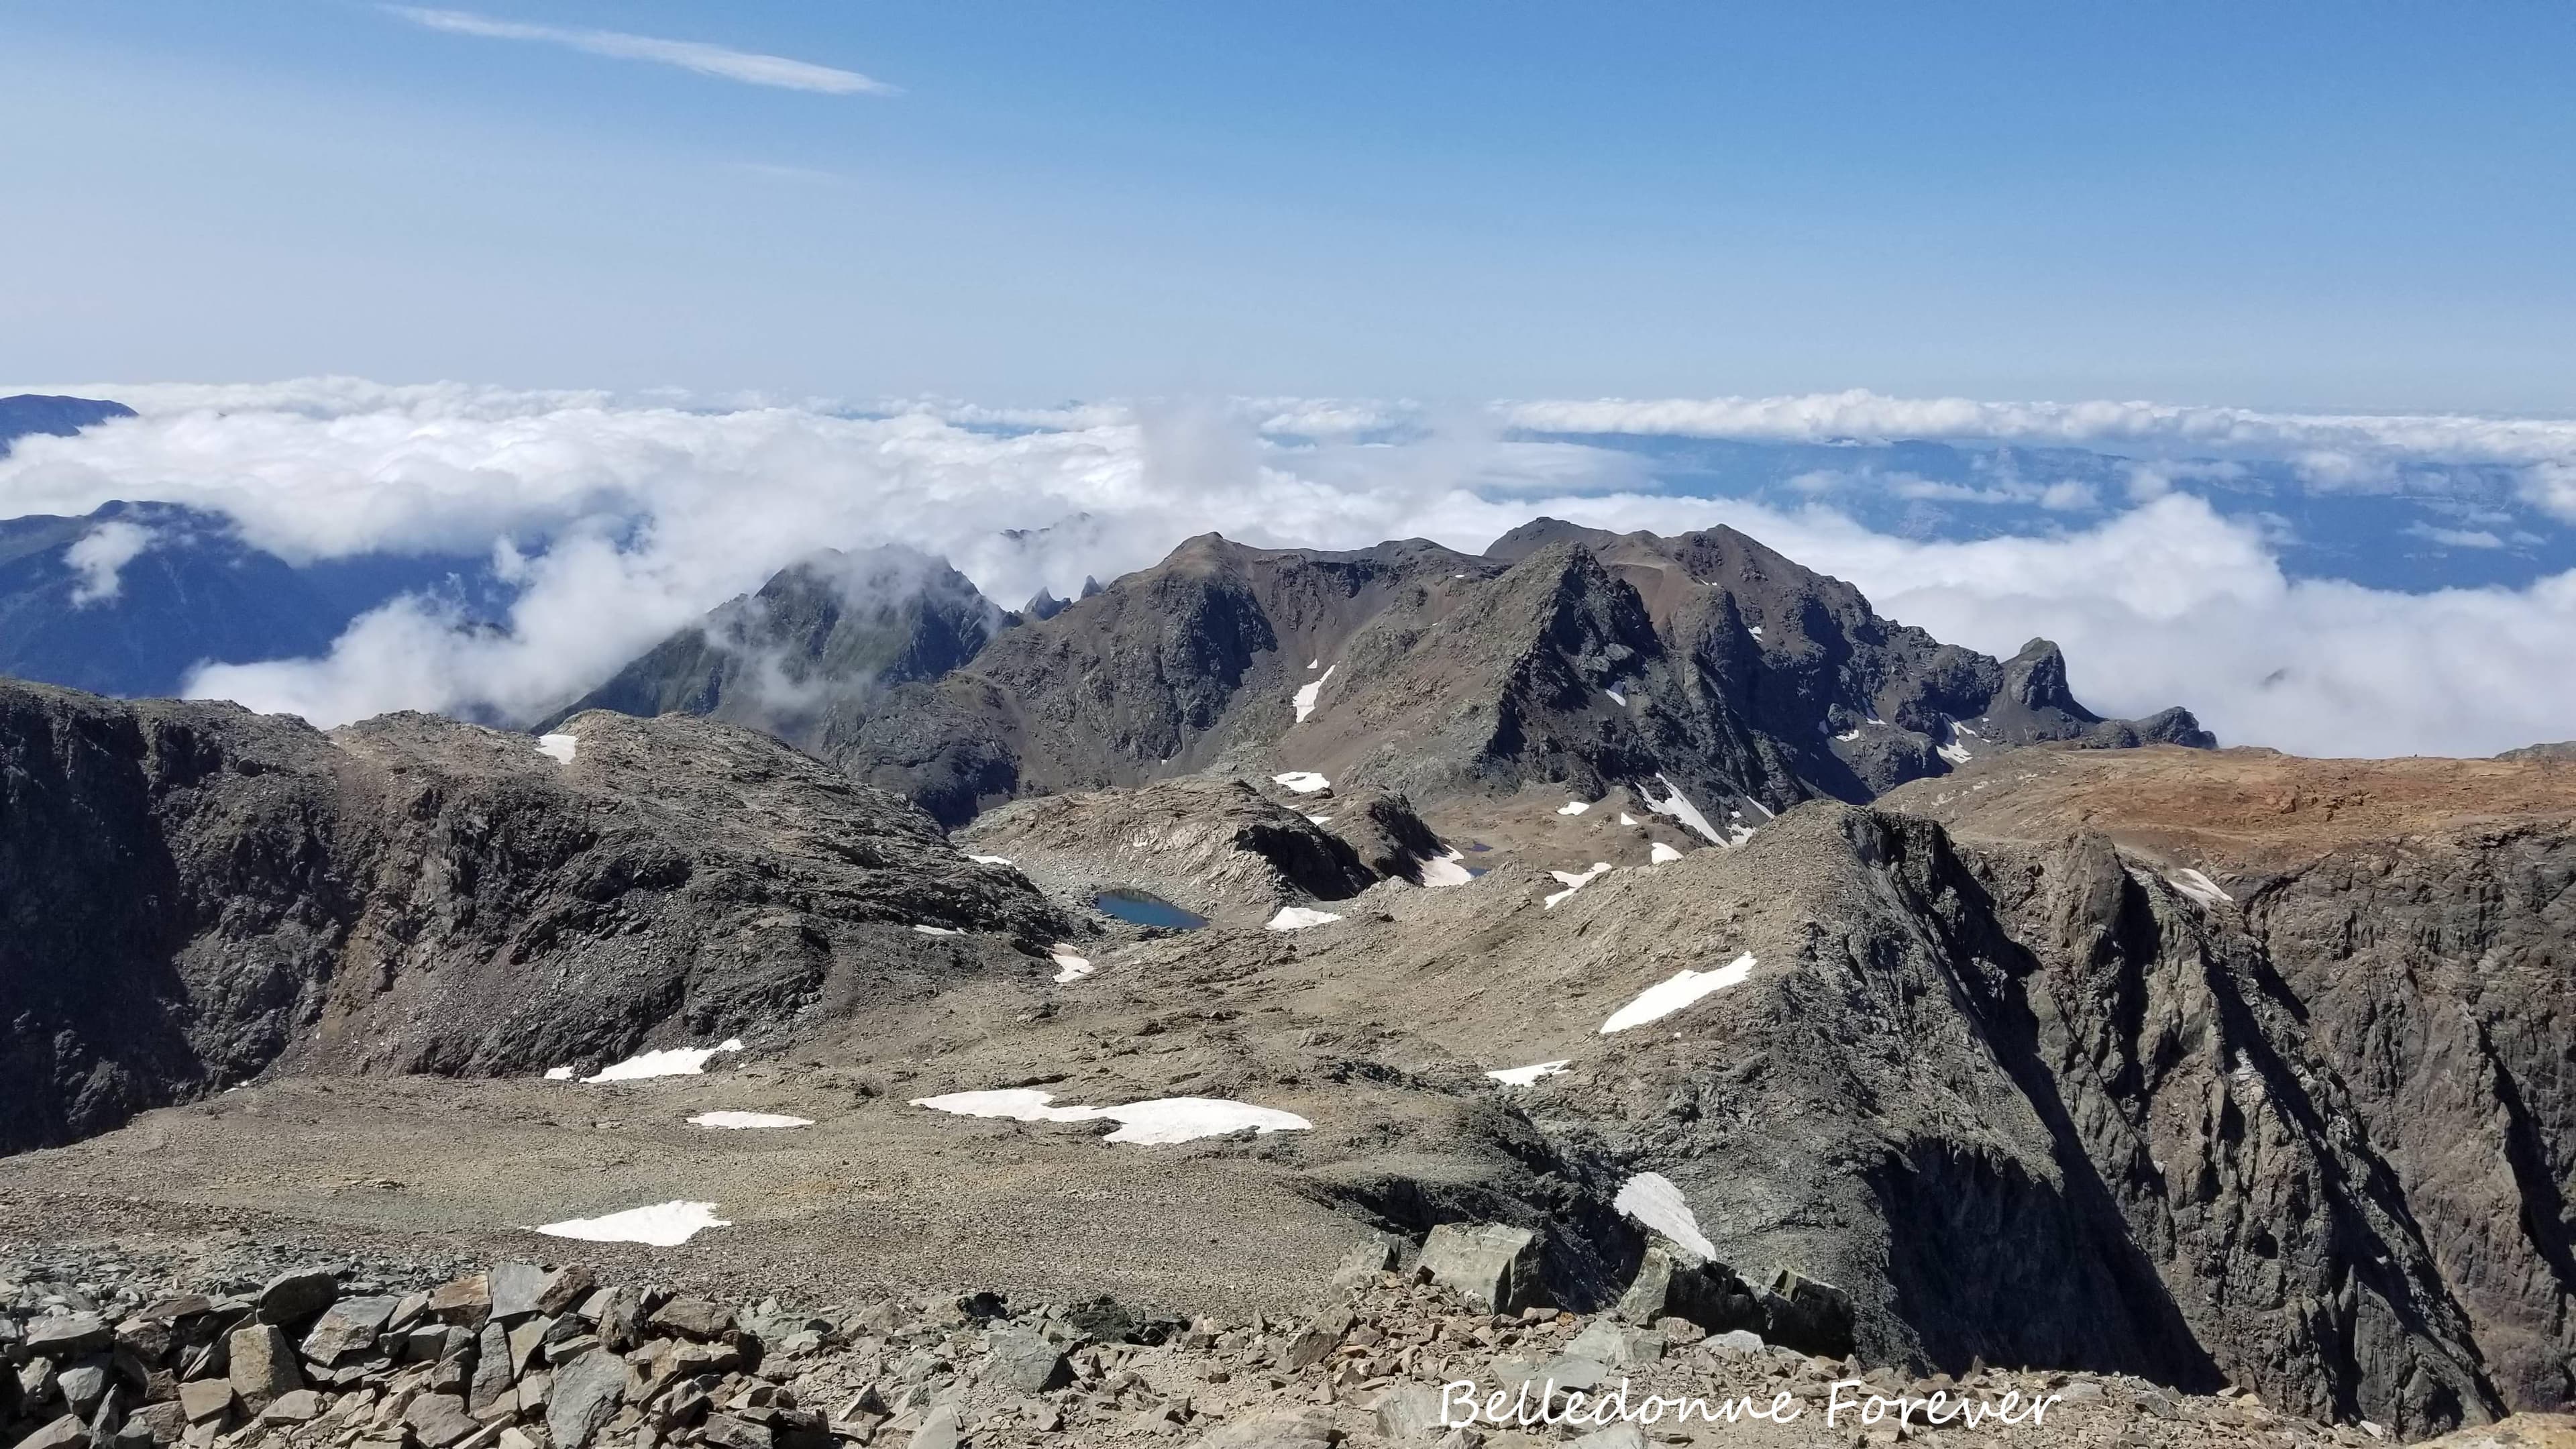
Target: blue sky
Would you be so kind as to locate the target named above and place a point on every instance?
(2358, 206)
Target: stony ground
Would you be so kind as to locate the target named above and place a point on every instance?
(242, 1343)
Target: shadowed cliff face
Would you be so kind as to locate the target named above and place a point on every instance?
(2437, 978)
(194, 894)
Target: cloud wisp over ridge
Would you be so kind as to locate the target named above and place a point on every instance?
(618, 520)
(748, 67)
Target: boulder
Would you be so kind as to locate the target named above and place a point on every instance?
(466, 1301)
(724, 1431)
(62, 1433)
(696, 1318)
(495, 1375)
(347, 1328)
(162, 1423)
(587, 1393)
(298, 1297)
(303, 1406)
(618, 1314)
(565, 1287)
(1492, 1265)
(1618, 1345)
(1409, 1413)
(177, 1308)
(1310, 1346)
(1026, 1363)
(262, 1365)
(1807, 1314)
(438, 1420)
(1671, 1282)
(1361, 1265)
(83, 1385)
(66, 1336)
(206, 1401)
(515, 1289)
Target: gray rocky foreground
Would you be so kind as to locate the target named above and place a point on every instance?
(107, 1351)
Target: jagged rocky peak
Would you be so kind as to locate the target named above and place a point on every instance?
(1805, 650)
(829, 628)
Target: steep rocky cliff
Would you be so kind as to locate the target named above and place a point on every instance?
(2413, 917)
(193, 894)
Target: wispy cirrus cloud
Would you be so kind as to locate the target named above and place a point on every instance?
(737, 65)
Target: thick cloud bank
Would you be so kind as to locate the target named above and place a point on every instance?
(622, 519)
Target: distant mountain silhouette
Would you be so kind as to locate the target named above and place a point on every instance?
(30, 413)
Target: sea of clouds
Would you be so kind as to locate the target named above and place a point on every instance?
(621, 519)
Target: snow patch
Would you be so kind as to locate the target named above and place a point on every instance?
(558, 747)
(1161, 1120)
(1668, 996)
(1304, 782)
(1068, 966)
(1627, 819)
(1186, 1119)
(990, 859)
(749, 1121)
(1573, 807)
(1523, 1076)
(1651, 1199)
(1680, 808)
(1444, 869)
(2199, 887)
(1662, 854)
(1307, 693)
(937, 931)
(1617, 698)
(1298, 918)
(1573, 882)
(1755, 631)
(1848, 736)
(663, 1225)
(667, 1062)
(558, 1074)
(1955, 754)
(1320, 819)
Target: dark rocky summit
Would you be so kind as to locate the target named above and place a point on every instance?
(829, 631)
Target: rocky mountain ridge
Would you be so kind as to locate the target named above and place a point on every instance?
(1563, 655)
